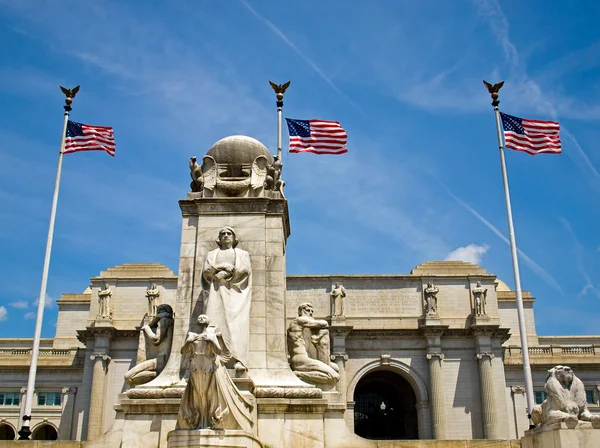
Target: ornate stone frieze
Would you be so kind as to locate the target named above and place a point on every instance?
(287, 392)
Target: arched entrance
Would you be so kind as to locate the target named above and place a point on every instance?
(7, 432)
(45, 432)
(385, 407)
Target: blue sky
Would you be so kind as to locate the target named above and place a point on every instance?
(421, 180)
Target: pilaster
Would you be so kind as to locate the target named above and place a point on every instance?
(435, 357)
(338, 335)
(68, 405)
(102, 333)
(484, 338)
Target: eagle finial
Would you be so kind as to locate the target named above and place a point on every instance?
(280, 88)
(70, 94)
(493, 90)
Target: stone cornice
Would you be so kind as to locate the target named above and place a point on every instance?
(105, 331)
(225, 206)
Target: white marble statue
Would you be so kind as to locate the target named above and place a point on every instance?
(104, 296)
(565, 400)
(337, 294)
(227, 292)
(158, 336)
(431, 292)
(480, 299)
(306, 334)
(211, 399)
(152, 294)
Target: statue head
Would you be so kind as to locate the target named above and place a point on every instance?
(429, 285)
(203, 321)
(305, 309)
(563, 374)
(164, 310)
(478, 284)
(227, 238)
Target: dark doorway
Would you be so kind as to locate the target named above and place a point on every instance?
(7, 433)
(45, 432)
(385, 407)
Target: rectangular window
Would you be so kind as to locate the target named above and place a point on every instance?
(49, 398)
(540, 396)
(9, 398)
(589, 396)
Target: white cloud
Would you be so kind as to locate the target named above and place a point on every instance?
(471, 253)
(21, 304)
(48, 303)
(536, 268)
(3, 313)
(30, 315)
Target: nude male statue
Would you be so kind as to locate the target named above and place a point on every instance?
(317, 371)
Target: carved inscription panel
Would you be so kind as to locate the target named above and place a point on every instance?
(396, 302)
(363, 298)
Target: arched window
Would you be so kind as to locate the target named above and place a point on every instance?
(385, 407)
(45, 432)
(7, 432)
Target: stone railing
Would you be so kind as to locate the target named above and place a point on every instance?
(53, 352)
(554, 353)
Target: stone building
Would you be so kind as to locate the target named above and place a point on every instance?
(432, 354)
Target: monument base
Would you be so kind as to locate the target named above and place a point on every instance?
(191, 438)
(558, 435)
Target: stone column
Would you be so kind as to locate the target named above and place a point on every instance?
(433, 333)
(100, 361)
(338, 335)
(438, 405)
(67, 401)
(488, 397)
(517, 390)
(23, 391)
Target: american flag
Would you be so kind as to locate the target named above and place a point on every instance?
(317, 136)
(85, 137)
(532, 136)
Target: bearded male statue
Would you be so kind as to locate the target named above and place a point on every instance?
(227, 292)
(565, 400)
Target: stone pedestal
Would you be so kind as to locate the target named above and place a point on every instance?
(189, 438)
(557, 435)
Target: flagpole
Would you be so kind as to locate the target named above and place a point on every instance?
(279, 92)
(493, 90)
(25, 431)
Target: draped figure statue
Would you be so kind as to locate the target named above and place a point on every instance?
(211, 399)
(227, 291)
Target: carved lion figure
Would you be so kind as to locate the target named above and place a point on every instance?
(565, 400)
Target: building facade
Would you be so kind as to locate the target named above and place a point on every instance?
(433, 354)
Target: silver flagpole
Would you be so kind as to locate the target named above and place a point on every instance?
(493, 90)
(279, 91)
(25, 431)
